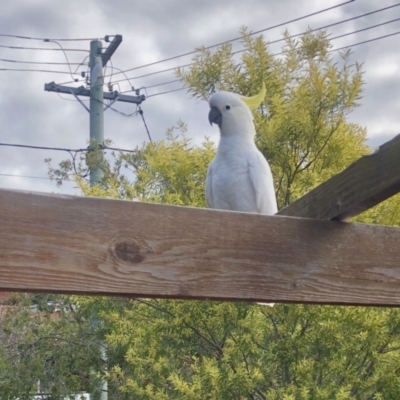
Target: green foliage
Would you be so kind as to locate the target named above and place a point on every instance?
(216, 350)
(46, 347)
(162, 349)
(169, 171)
(302, 129)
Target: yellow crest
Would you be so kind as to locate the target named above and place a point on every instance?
(255, 101)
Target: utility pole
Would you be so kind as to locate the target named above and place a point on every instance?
(96, 106)
(97, 61)
(97, 97)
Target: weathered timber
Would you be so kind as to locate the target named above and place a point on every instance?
(365, 183)
(68, 244)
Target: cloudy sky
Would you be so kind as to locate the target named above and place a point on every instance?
(153, 30)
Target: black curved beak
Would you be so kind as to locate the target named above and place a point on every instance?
(215, 116)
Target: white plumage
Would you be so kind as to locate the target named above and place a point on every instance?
(239, 178)
(97, 72)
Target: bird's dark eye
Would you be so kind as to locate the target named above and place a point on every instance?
(228, 107)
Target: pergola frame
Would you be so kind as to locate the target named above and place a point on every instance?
(305, 254)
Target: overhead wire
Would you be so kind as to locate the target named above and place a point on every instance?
(47, 63)
(168, 91)
(26, 146)
(23, 176)
(72, 152)
(279, 40)
(47, 39)
(38, 62)
(118, 69)
(34, 70)
(276, 54)
(39, 48)
(331, 25)
(66, 99)
(155, 85)
(239, 38)
(330, 51)
(64, 148)
(126, 78)
(194, 51)
(144, 122)
(365, 29)
(366, 41)
(354, 32)
(155, 73)
(219, 44)
(65, 54)
(239, 51)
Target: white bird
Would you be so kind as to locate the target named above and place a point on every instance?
(239, 178)
(97, 71)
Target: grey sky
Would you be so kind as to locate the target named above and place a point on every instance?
(154, 30)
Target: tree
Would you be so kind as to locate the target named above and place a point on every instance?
(161, 349)
(46, 347)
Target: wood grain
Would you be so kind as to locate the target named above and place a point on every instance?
(96, 246)
(365, 183)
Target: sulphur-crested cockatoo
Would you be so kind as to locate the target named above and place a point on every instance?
(97, 72)
(239, 178)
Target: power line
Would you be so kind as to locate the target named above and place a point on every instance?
(296, 35)
(38, 62)
(34, 70)
(238, 38)
(330, 51)
(215, 45)
(46, 39)
(65, 149)
(331, 25)
(72, 152)
(39, 48)
(24, 176)
(239, 51)
(65, 55)
(188, 53)
(357, 31)
(365, 29)
(50, 63)
(155, 73)
(366, 41)
(144, 122)
(121, 150)
(280, 40)
(157, 84)
(168, 91)
(64, 98)
(43, 147)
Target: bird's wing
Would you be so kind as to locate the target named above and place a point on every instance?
(263, 184)
(209, 194)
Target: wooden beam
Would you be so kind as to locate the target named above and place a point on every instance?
(68, 244)
(365, 183)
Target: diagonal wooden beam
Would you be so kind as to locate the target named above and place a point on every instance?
(67, 244)
(365, 183)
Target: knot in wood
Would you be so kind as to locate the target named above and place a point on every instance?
(130, 250)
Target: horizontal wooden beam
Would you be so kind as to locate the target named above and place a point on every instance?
(69, 244)
(365, 183)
